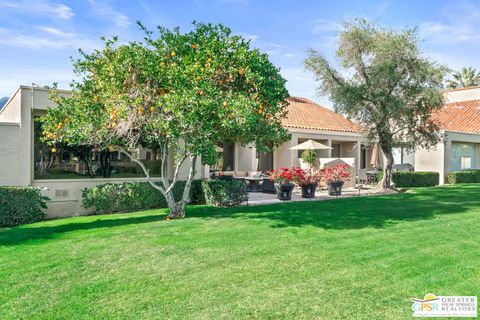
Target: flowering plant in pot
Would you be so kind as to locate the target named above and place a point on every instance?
(335, 177)
(309, 181)
(283, 178)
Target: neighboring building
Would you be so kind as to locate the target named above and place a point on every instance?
(61, 176)
(460, 122)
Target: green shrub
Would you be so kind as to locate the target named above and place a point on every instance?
(224, 193)
(20, 205)
(131, 196)
(409, 179)
(465, 176)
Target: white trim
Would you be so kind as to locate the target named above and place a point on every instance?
(13, 124)
(140, 179)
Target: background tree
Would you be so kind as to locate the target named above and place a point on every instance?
(178, 93)
(467, 77)
(386, 85)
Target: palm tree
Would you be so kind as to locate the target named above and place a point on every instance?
(467, 77)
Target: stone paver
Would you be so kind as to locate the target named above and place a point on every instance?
(256, 198)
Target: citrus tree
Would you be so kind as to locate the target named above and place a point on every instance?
(177, 93)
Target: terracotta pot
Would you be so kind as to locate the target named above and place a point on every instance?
(335, 188)
(284, 191)
(308, 190)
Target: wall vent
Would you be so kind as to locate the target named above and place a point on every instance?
(62, 193)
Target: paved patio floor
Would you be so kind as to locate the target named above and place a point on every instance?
(256, 198)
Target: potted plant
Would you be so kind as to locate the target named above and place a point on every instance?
(335, 177)
(309, 157)
(309, 182)
(283, 178)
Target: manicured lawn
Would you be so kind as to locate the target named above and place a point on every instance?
(358, 258)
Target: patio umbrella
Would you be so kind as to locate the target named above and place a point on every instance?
(375, 161)
(310, 145)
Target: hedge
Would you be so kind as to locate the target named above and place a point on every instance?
(224, 193)
(131, 196)
(465, 176)
(21, 205)
(408, 179)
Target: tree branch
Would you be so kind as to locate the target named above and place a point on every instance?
(145, 170)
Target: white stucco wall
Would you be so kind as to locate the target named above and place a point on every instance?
(9, 153)
(472, 93)
(432, 160)
(245, 158)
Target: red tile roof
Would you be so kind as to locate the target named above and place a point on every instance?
(306, 114)
(461, 116)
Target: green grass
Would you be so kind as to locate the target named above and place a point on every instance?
(357, 258)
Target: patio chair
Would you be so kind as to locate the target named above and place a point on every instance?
(362, 177)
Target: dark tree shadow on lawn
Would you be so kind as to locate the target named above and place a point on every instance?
(357, 212)
(18, 235)
(338, 214)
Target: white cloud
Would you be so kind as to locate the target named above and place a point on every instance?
(321, 26)
(300, 83)
(104, 9)
(11, 79)
(251, 37)
(289, 55)
(458, 23)
(55, 10)
(55, 31)
(51, 38)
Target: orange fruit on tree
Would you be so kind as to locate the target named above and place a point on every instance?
(54, 150)
(173, 54)
(195, 46)
(241, 71)
(198, 78)
(152, 108)
(225, 103)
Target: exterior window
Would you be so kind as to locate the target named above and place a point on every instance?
(87, 162)
(335, 150)
(466, 163)
(463, 156)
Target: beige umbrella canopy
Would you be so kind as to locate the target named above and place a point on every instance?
(310, 145)
(375, 161)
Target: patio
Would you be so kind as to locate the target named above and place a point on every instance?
(259, 198)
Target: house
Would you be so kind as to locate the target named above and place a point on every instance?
(62, 175)
(459, 121)
(306, 120)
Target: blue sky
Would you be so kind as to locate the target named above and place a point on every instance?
(37, 37)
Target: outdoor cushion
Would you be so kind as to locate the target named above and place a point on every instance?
(240, 173)
(227, 173)
(254, 174)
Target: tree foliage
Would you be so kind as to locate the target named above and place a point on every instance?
(386, 85)
(467, 77)
(179, 93)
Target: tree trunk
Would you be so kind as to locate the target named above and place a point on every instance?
(387, 168)
(177, 209)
